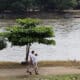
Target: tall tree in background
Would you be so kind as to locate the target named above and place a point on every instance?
(27, 32)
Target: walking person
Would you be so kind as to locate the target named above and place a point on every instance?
(30, 63)
(35, 63)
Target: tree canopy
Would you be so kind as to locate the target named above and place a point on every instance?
(28, 31)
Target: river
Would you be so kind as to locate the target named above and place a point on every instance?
(67, 36)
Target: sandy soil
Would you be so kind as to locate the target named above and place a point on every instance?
(42, 71)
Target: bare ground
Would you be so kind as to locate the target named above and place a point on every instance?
(42, 71)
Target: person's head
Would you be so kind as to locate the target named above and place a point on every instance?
(36, 54)
(32, 52)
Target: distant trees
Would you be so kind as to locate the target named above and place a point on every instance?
(45, 4)
(56, 4)
(78, 4)
(3, 5)
(19, 6)
(65, 4)
(25, 5)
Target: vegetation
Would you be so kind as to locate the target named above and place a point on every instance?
(65, 4)
(56, 4)
(55, 77)
(78, 4)
(22, 6)
(15, 65)
(48, 77)
(11, 65)
(27, 32)
(2, 43)
(60, 63)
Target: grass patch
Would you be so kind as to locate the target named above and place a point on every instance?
(49, 77)
(5, 65)
(59, 63)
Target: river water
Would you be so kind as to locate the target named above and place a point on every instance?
(67, 36)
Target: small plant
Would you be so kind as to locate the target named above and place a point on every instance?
(2, 43)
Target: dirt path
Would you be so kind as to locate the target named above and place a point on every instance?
(42, 71)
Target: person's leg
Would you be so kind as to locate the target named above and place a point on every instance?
(29, 69)
(36, 68)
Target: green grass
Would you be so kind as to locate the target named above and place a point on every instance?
(49, 77)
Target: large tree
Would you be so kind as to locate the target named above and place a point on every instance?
(27, 32)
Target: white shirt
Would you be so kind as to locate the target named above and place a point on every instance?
(34, 59)
(30, 56)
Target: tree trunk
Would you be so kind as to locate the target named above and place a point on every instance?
(27, 51)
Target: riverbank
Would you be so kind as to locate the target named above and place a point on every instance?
(14, 65)
(16, 71)
(42, 14)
